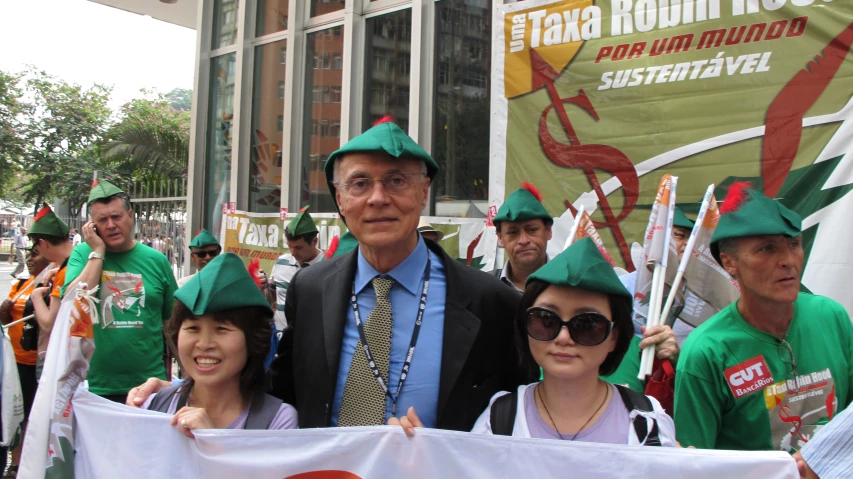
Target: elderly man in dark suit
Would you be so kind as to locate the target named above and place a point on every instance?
(457, 320)
(395, 323)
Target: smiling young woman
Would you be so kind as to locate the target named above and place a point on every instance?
(220, 332)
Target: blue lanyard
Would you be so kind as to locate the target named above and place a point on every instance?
(410, 352)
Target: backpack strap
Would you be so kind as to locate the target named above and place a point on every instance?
(502, 414)
(163, 398)
(640, 402)
(262, 416)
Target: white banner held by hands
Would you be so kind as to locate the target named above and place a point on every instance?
(116, 441)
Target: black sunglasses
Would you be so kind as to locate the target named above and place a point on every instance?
(586, 329)
(205, 254)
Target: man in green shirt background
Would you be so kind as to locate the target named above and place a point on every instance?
(137, 290)
(766, 372)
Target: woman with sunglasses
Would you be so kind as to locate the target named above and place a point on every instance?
(574, 321)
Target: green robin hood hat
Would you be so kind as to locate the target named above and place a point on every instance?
(204, 238)
(223, 284)
(347, 243)
(747, 212)
(302, 223)
(102, 189)
(47, 223)
(523, 204)
(681, 220)
(581, 266)
(341, 245)
(385, 137)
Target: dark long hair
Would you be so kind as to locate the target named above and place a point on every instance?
(620, 310)
(254, 321)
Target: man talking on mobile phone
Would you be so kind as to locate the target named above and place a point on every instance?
(136, 291)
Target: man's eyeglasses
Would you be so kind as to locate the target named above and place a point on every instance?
(205, 254)
(586, 329)
(786, 354)
(394, 183)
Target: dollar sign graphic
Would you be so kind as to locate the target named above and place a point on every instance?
(588, 157)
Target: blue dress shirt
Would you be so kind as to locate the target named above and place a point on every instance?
(421, 387)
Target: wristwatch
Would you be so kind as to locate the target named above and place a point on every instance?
(96, 256)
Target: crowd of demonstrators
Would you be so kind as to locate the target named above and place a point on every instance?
(464, 343)
(386, 328)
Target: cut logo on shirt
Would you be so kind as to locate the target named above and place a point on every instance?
(748, 377)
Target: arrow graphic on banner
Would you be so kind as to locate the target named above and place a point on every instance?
(587, 157)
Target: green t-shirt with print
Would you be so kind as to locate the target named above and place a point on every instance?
(137, 294)
(740, 388)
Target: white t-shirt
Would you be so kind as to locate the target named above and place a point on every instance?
(666, 426)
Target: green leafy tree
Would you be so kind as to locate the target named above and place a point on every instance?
(180, 99)
(65, 122)
(13, 142)
(150, 141)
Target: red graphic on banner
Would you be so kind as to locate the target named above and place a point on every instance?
(282, 214)
(325, 475)
(225, 208)
(784, 124)
(748, 377)
(493, 211)
(232, 207)
(588, 157)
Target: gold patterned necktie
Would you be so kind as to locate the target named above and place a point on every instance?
(363, 402)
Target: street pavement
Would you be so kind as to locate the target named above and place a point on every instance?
(6, 279)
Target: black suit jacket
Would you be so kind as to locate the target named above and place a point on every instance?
(478, 359)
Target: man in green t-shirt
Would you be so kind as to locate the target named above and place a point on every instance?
(137, 290)
(770, 369)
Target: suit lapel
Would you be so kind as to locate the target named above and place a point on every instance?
(336, 293)
(461, 328)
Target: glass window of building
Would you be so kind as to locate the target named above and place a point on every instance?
(272, 17)
(219, 139)
(267, 126)
(388, 56)
(322, 7)
(224, 23)
(461, 109)
(322, 108)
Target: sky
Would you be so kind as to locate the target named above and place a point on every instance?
(85, 43)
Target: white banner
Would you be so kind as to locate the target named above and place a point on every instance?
(113, 440)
